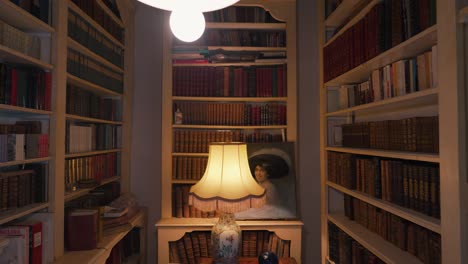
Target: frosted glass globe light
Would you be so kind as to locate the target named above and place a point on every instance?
(187, 25)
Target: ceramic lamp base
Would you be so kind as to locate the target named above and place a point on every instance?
(226, 240)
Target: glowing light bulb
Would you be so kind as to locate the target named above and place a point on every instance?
(187, 24)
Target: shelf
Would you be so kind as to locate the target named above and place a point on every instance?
(230, 99)
(82, 49)
(21, 19)
(93, 23)
(13, 56)
(463, 15)
(10, 215)
(412, 100)
(209, 222)
(383, 249)
(354, 20)
(409, 48)
(73, 195)
(184, 181)
(233, 64)
(110, 13)
(423, 220)
(229, 127)
(246, 48)
(92, 120)
(91, 153)
(190, 154)
(21, 162)
(17, 110)
(252, 26)
(89, 86)
(341, 13)
(428, 157)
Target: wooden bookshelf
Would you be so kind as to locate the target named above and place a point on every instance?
(12, 214)
(81, 192)
(11, 55)
(91, 153)
(15, 15)
(92, 120)
(91, 86)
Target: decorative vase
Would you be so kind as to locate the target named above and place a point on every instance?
(226, 240)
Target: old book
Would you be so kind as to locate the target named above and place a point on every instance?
(82, 229)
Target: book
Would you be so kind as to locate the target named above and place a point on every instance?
(35, 240)
(82, 229)
(114, 212)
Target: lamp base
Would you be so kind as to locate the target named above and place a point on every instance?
(226, 240)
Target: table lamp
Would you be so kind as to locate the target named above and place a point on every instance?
(227, 187)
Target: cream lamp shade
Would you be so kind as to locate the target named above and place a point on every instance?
(187, 21)
(227, 184)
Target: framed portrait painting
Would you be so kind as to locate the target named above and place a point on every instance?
(273, 167)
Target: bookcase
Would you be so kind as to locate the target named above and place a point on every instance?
(392, 131)
(224, 91)
(66, 85)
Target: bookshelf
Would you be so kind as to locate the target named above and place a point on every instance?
(441, 99)
(212, 113)
(51, 24)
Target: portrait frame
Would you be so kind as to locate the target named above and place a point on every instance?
(280, 158)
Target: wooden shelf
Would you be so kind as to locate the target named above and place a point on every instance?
(12, 214)
(247, 48)
(76, 194)
(233, 64)
(13, 56)
(412, 100)
(230, 99)
(229, 127)
(190, 154)
(110, 13)
(91, 153)
(93, 23)
(21, 162)
(91, 86)
(383, 249)
(409, 48)
(81, 49)
(17, 110)
(184, 181)
(251, 26)
(428, 157)
(423, 220)
(21, 19)
(92, 120)
(341, 13)
(209, 222)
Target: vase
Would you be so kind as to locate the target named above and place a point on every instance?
(226, 240)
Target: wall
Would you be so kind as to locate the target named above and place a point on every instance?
(308, 129)
(146, 141)
(146, 154)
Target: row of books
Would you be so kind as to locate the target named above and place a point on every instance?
(87, 104)
(240, 14)
(197, 244)
(197, 141)
(414, 185)
(396, 79)
(83, 137)
(256, 81)
(415, 134)
(387, 24)
(21, 187)
(93, 71)
(239, 37)
(127, 247)
(39, 9)
(25, 86)
(188, 168)
(96, 12)
(20, 41)
(344, 249)
(181, 207)
(88, 172)
(236, 114)
(416, 240)
(87, 35)
(15, 147)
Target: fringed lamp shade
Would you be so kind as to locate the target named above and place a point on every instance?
(199, 5)
(227, 184)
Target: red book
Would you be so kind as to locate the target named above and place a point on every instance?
(82, 229)
(35, 240)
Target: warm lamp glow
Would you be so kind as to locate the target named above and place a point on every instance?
(187, 25)
(187, 22)
(227, 184)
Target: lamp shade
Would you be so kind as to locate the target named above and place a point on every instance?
(199, 5)
(227, 184)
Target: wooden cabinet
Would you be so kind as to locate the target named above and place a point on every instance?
(369, 102)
